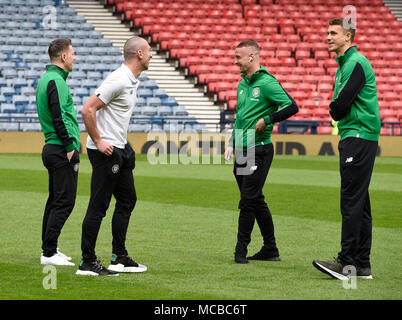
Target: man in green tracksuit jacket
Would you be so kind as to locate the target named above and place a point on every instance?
(60, 153)
(355, 106)
(259, 96)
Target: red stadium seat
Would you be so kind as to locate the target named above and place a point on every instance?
(324, 130)
(283, 53)
(287, 30)
(321, 112)
(223, 86)
(324, 87)
(232, 104)
(321, 55)
(390, 96)
(308, 63)
(310, 104)
(290, 62)
(318, 71)
(306, 87)
(386, 113)
(305, 113)
(309, 78)
(302, 54)
(314, 95)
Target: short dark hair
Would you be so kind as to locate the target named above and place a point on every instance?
(346, 24)
(249, 43)
(58, 46)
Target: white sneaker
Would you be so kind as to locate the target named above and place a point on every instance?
(62, 255)
(55, 260)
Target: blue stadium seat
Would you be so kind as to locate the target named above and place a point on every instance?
(30, 108)
(137, 112)
(86, 67)
(78, 75)
(139, 127)
(169, 101)
(9, 126)
(77, 101)
(149, 111)
(21, 50)
(160, 93)
(93, 75)
(5, 65)
(8, 107)
(145, 93)
(141, 119)
(27, 25)
(7, 91)
(154, 101)
(28, 91)
(83, 26)
(90, 42)
(32, 74)
(30, 126)
(165, 111)
(21, 66)
(80, 92)
(28, 41)
(141, 102)
(73, 83)
(89, 84)
(106, 43)
(20, 100)
(150, 84)
(94, 34)
(7, 48)
(3, 83)
(14, 57)
(18, 84)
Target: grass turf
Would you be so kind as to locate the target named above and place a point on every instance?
(184, 229)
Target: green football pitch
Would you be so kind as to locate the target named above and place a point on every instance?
(184, 229)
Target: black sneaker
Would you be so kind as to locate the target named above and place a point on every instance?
(125, 264)
(265, 255)
(363, 273)
(94, 268)
(333, 268)
(240, 258)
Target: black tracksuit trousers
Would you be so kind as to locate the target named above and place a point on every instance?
(110, 176)
(63, 177)
(357, 158)
(252, 205)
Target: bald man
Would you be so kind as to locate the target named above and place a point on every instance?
(106, 115)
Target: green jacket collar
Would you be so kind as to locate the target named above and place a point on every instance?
(342, 59)
(60, 71)
(255, 75)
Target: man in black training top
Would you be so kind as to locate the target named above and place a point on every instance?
(355, 106)
(60, 154)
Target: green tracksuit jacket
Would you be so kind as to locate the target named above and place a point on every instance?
(56, 110)
(259, 97)
(355, 102)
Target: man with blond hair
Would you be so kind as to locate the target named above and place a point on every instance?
(261, 102)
